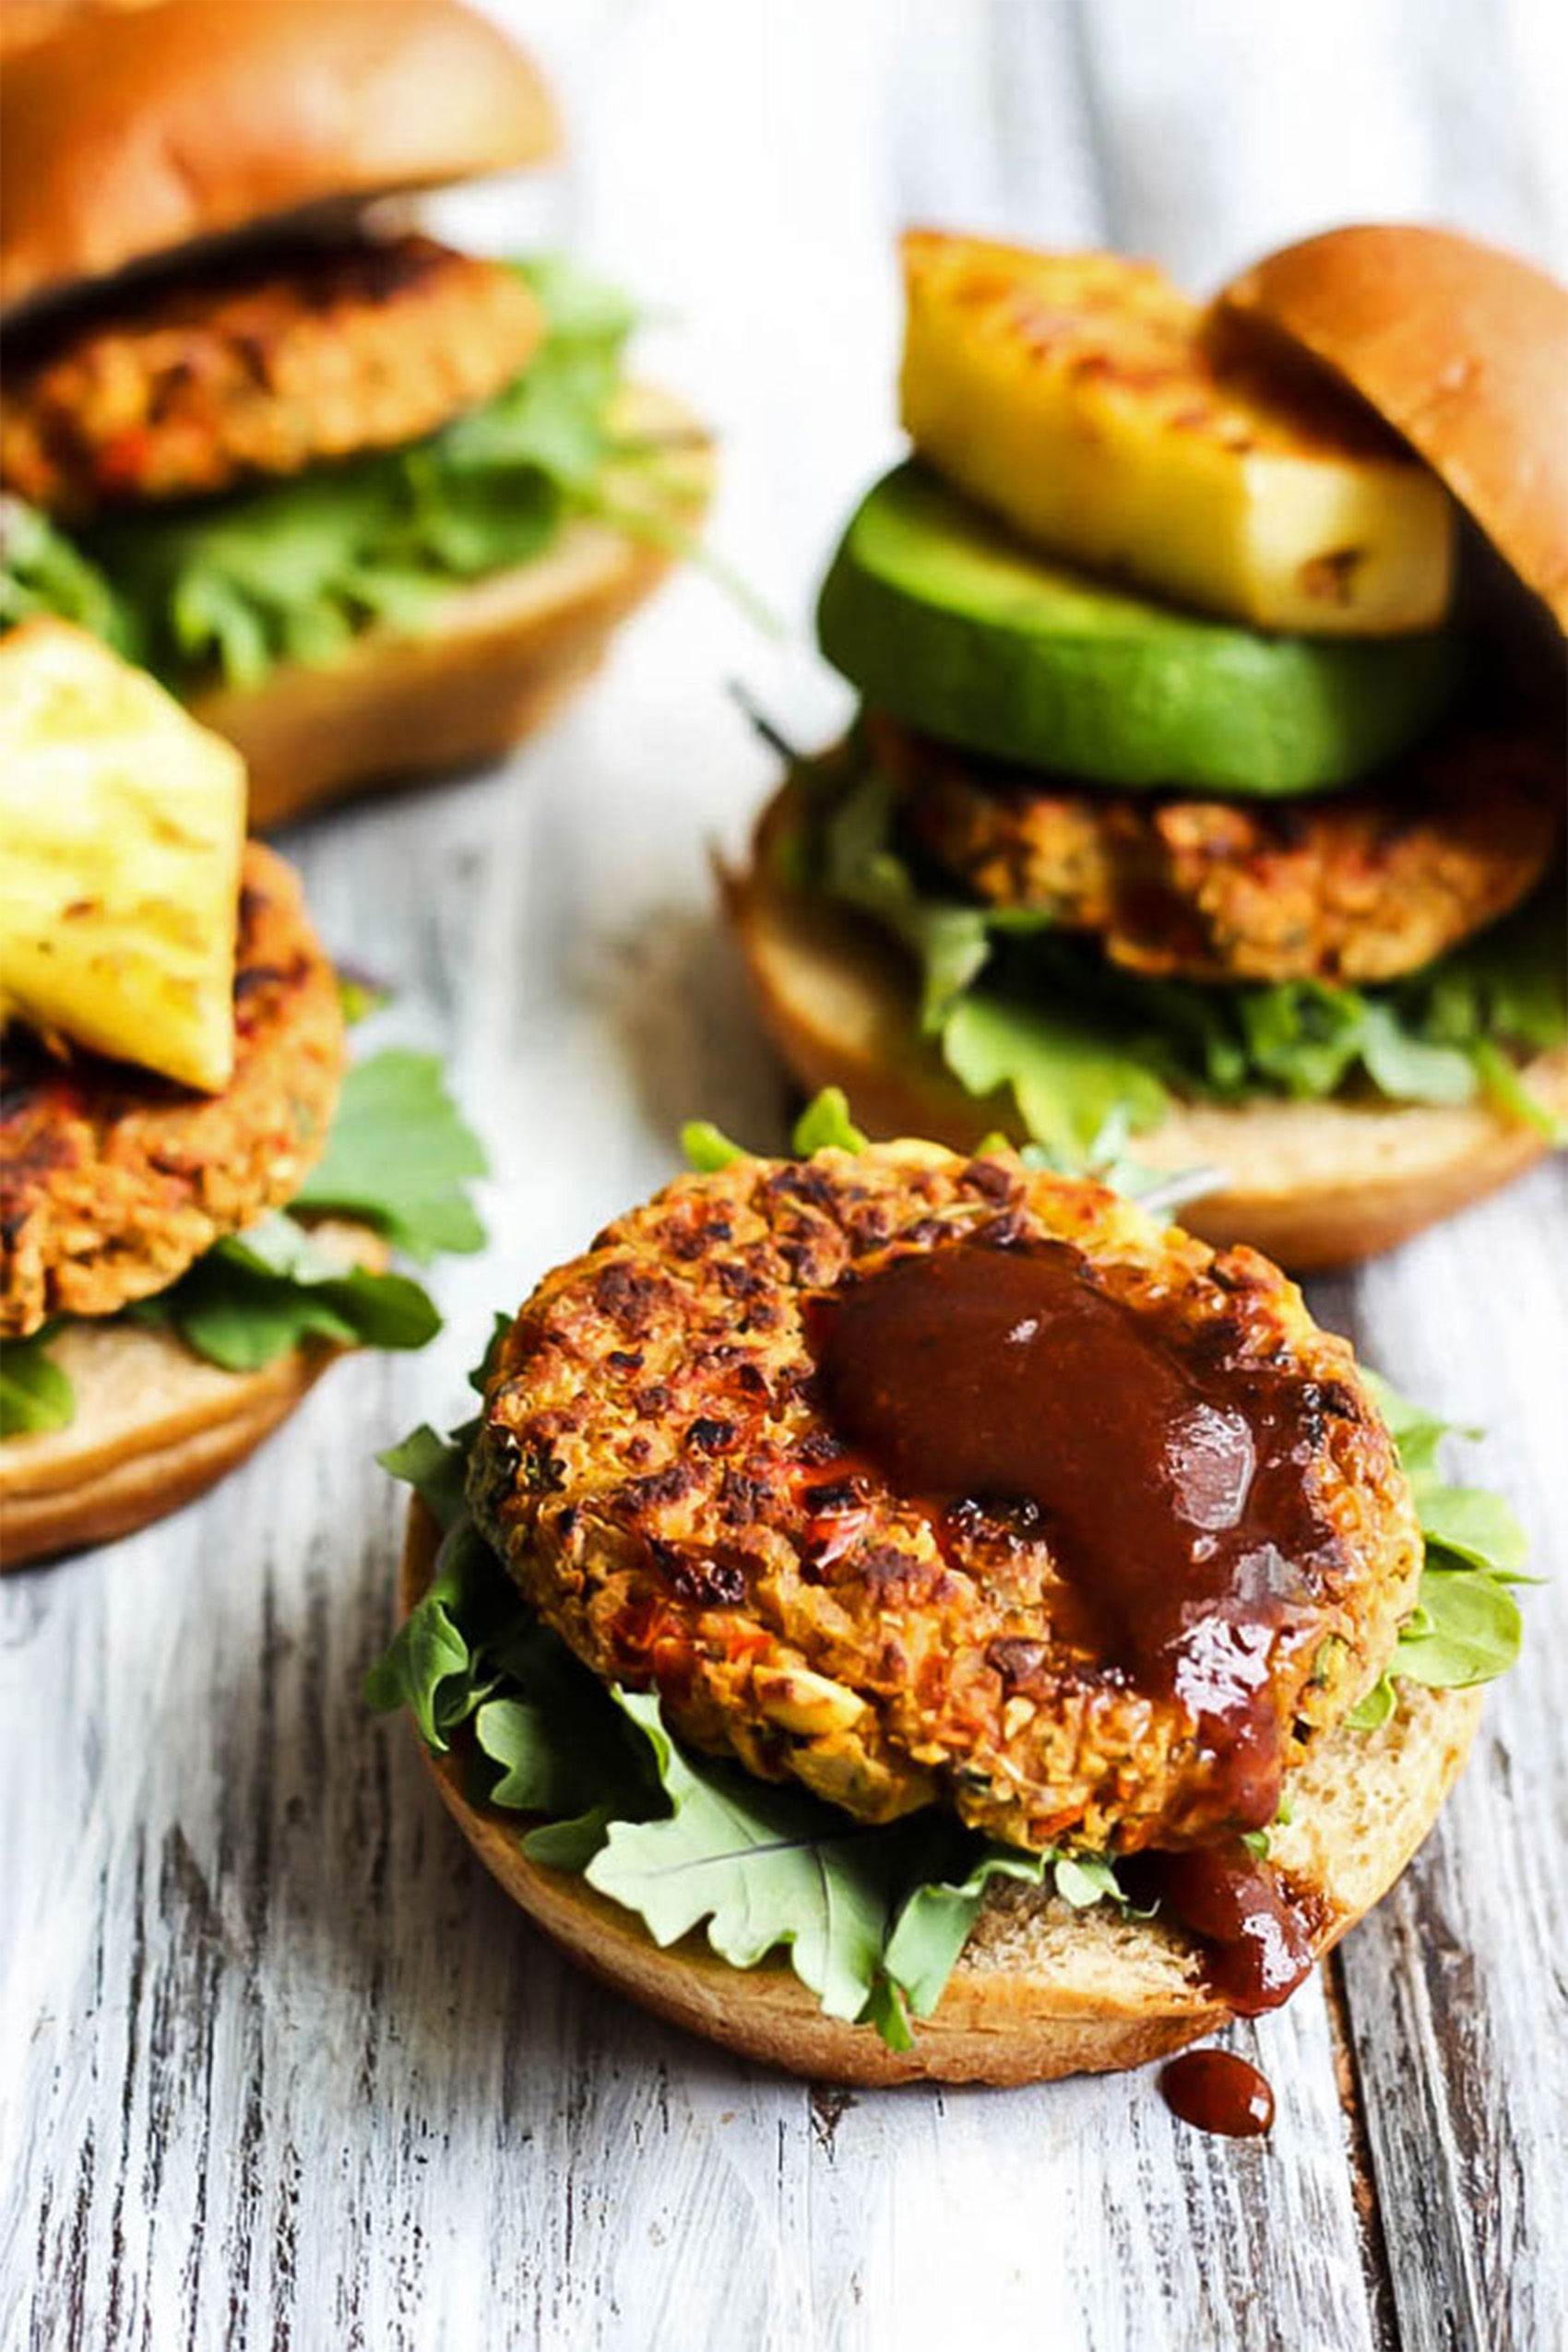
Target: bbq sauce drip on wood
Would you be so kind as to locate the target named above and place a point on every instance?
(1219, 2092)
(1169, 1475)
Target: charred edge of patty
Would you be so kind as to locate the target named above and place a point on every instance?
(1362, 887)
(225, 376)
(655, 1470)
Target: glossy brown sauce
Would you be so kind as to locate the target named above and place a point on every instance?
(1257, 1938)
(1219, 2092)
(1168, 1476)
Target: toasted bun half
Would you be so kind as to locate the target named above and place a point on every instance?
(1040, 1990)
(1313, 1184)
(486, 670)
(133, 132)
(154, 1427)
(1463, 348)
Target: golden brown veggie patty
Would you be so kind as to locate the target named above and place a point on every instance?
(113, 1179)
(1358, 886)
(657, 1468)
(218, 380)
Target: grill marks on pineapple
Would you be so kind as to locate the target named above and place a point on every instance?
(114, 1180)
(658, 1468)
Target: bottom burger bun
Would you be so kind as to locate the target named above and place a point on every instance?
(490, 664)
(155, 1426)
(1313, 1184)
(1040, 1990)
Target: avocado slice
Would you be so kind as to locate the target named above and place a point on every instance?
(944, 621)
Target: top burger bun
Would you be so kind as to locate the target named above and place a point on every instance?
(130, 134)
(1462, 348)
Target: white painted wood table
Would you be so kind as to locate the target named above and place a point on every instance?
(279, 2065)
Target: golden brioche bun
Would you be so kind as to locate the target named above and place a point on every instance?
(129, 133)
(155, 1426)
(484, 670)
(1040, 1990)
(1313, 1184)
(1463, 348)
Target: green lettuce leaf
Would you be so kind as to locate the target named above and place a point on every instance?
(293, 570)
(434, 1467)
(256, 1294)
(435, 1666)
(34, 1393)
(824, 1125)
(1020, 1010)
(398, 1157)
(1466, 1628)
(1065, 1077)
(42, 571)
(762, 1868)
(933, 1924)
(707, 1149)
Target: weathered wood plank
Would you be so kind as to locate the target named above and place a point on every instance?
(280, 2067)
(1455, 1984)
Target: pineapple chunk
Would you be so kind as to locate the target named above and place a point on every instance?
(122, 825)
(1092, 407)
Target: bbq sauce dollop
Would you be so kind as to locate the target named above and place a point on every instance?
(1169, 1475)
(1219, 2092)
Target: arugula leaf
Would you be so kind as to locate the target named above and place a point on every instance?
(431, 1665)
(34, 1393)
(888, 2010)
(760, 1867)
(293, 570)
(825, 1125)
(428, 1653)
(256, 1294)
(1479, 1526)
(1418, 1432)
(1466, 1627)
(707, 1149)
(397, 1156)
(360, 996)
(1467, 1631)
(435, 1468)
(933, 1923)
(1017, 1006)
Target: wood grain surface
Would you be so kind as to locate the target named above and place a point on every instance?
(279, 2066)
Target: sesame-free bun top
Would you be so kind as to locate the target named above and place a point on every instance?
(132, 133)
(1463, 348)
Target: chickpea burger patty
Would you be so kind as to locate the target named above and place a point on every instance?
(679, 1464)
(1361, 886)
(259, 370)
(113, 1179)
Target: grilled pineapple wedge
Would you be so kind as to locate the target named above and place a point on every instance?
(1087, 403)
(122, 824)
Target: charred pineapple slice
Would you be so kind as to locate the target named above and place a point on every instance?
(1090, 405)
(122, 824)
